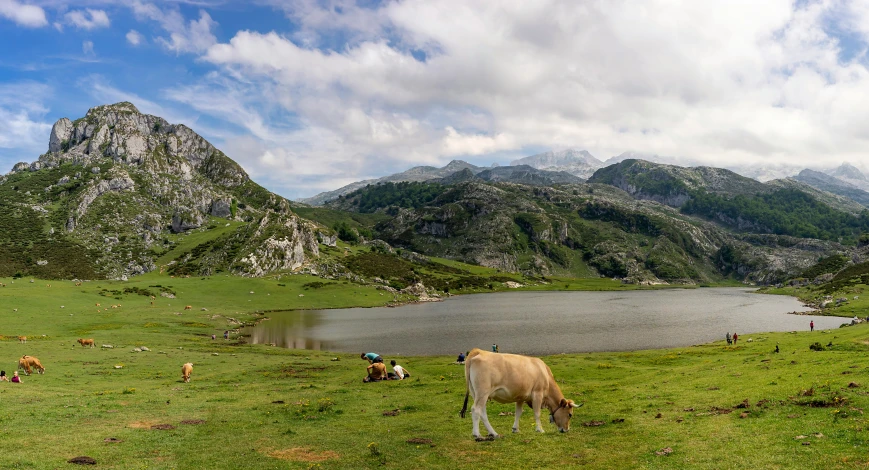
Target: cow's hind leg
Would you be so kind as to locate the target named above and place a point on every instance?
(479, 413)
(518, 414)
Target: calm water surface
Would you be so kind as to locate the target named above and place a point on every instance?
(541, 322)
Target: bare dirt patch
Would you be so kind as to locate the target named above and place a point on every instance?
(82, 460)
(112, 440)
(142, 424)
(303, 454)
(419, 440)
(162, 427)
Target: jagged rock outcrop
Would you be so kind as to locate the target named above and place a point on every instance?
(116, 183)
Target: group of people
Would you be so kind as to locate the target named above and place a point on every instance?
(377, 369)
(15, 378)
(732, 339)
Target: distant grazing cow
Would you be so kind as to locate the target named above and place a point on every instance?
(511, 378)
(22, 339)
(98, 305)
(186, 370)
(86, 342)
(77, 284)
(188, 307)
(28, 362)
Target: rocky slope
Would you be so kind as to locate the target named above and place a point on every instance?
(588, 229)
(117, 186)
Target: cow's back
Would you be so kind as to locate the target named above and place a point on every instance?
(506, 377)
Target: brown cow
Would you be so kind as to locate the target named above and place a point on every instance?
(188, 307)
(511, 378)
(26, 362)
(98, 305)
(86, 342)
(22, 339)
(186, 370)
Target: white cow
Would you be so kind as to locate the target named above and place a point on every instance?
(510, 378)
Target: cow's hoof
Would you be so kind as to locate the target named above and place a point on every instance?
(540, 431)
(487, 438)
(515, 430)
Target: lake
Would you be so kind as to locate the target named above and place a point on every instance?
(541, 323)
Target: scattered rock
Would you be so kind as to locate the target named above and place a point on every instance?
(853, 385)
(664, 451)
(618, 420)
(659, 416)
(590, 424)
(800, 437)
(743, 415)
(278, 402)
(394, 412)
(143, 348)
(82, 460)
(193, 421)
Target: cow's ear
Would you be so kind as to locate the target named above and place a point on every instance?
(563, 403)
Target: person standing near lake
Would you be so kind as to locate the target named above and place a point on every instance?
(812, 325)
(735, 337)
(729, 341)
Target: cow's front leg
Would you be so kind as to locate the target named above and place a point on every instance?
(518, 414)
(536, 405)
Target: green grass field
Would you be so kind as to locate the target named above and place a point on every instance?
(255, 406)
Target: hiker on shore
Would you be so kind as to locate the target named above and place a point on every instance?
(812, 325)
(372, 358)
(729, 341)
(376, 372)
(735, 337)
(400, 372)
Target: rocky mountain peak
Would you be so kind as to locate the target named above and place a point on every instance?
(849, 171)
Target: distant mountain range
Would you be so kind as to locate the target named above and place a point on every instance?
(573, 165)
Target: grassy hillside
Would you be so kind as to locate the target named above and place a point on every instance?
(248, 406)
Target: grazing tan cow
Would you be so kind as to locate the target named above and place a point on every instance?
(186, 370)
(22, 339)
(86, 342)
(28, 362)
(511, 378)
(188, 307)
(98, 305)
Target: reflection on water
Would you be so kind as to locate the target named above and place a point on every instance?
(541, 322)
(290, 330)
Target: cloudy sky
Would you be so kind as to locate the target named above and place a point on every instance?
(310, 95)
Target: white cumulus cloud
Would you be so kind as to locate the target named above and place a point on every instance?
(24, 14)
(425, 81)
(135, 38)
(87, 19)
(183, 36)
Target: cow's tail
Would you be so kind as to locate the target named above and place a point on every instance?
(474, 352)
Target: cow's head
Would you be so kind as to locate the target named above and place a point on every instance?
(561, 416)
